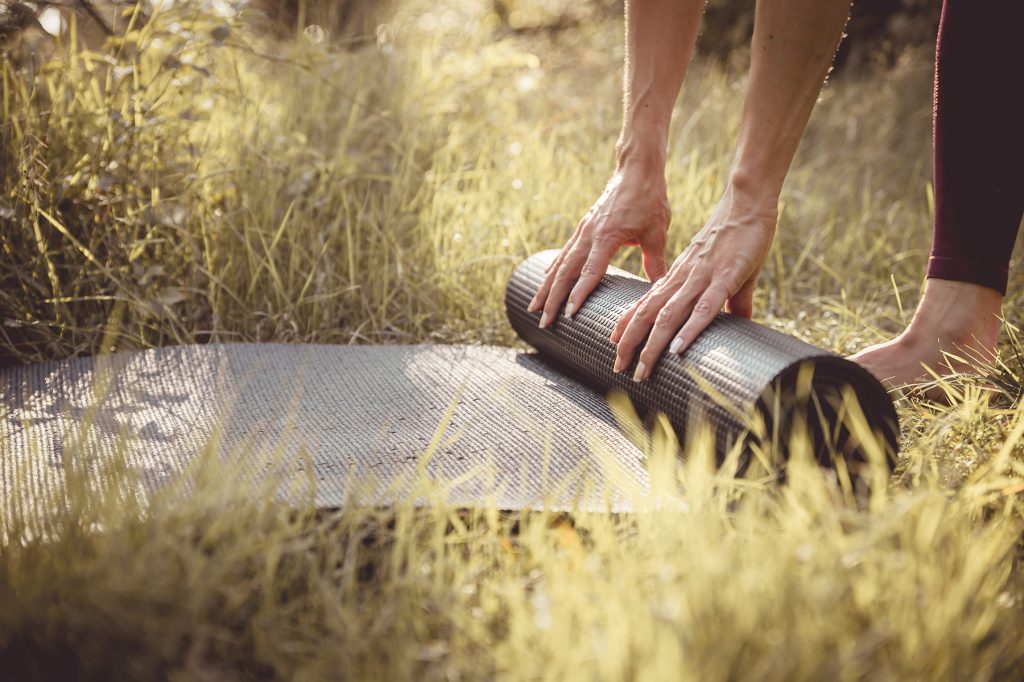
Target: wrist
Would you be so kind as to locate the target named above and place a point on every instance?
(757, 192)
(644, 151)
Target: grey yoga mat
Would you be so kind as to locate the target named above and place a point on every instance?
(488, 425)
(751, 384)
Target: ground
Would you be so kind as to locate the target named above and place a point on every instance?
(196, 180)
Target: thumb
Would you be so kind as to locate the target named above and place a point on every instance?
(655, 266)
(741, 303)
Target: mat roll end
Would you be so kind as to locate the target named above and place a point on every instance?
(832, 407)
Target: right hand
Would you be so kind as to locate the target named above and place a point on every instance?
(633, 210)
(718, 268)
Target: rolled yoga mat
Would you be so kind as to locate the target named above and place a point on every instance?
(753, 386)
(487, 425)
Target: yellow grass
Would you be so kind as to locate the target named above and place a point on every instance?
(202, 185)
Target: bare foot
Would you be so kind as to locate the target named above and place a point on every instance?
(958, 318)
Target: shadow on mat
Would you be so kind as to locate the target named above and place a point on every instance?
(559, 380)
(326, 414)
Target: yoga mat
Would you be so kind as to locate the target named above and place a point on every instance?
(737, 375)
(486, 425)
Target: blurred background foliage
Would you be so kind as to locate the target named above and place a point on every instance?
(147, 147)
(878, 29)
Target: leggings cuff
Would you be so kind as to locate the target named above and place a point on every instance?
(956, 270)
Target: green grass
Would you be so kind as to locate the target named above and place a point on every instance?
(188, 183)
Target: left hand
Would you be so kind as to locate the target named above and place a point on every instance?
(719, 267)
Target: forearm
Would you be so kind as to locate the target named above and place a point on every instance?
(792, 49)
(660, 37)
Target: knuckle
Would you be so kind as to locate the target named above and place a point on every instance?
(703, 307)
(665, 316)
(643, 314)
(563, 276)
(590, 269)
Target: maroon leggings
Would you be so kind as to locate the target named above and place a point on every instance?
(978, 140)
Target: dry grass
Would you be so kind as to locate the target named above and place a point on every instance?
(207, 184)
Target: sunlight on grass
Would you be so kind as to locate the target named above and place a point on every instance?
(711, 579)
(201, 181)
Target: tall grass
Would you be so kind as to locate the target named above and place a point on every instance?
(199, 182)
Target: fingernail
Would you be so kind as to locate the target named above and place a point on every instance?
(532, 308)
(569, 310)
(545, 320)
(675, 345)
(618, 365)
(640, 373)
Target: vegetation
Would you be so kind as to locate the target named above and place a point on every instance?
(195, 178)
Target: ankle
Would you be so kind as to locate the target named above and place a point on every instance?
(956, 315)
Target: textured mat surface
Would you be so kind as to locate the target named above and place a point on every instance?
(328, 416)
(737, 375)
(492, 424)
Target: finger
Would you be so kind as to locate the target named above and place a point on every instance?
(566, 274)
(541, 296)
(590, 275)
(642, 321)
(553, 265)
(569, 244)
(623, 322)
(670, 318)
(742, 302)
(705, 310)
(655, 265)
(679, 273)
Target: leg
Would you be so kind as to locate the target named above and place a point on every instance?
(979, 193)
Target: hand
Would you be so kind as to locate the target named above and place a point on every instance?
(632, 210)
(719, 267)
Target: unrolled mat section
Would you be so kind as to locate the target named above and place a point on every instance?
(755, 387)
(465, 425)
